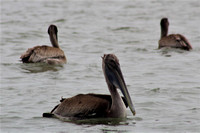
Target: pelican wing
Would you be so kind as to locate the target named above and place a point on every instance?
(184, 42)
(175, 41)
(42, 54)
(84, 106)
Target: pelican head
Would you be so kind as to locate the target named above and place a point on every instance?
(114, 77)
(52, 31)
(164, 22)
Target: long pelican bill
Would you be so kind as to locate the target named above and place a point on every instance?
(114, 74)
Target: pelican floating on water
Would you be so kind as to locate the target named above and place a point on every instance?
(85, 106)
(172, 40)
(46, 54)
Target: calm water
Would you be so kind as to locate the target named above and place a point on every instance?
(164, 84)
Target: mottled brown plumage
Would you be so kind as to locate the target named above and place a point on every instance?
(46, 54)
(84, 106)
(172, 40)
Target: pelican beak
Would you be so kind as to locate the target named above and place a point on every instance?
(114, 74)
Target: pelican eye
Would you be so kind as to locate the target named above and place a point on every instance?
(112, 64)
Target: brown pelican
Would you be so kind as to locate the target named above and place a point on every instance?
(172, 40)
(46, 54)
(85, 106)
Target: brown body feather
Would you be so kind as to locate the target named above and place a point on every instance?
(44, 54)
(84, 106)
(175, 41)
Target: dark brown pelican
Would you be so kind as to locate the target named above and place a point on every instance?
(172, 40)
(85, 106)
(46, 54)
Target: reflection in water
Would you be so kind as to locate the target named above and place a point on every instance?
(105, 121)
(113, 131)
(39, 67)
(167, 52)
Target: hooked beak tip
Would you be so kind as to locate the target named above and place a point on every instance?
(133, 110)
(103, 57)
(134, 113)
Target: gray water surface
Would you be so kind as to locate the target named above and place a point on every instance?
(164, 84)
